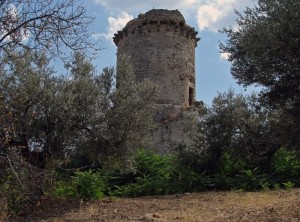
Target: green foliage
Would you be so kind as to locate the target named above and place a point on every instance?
(94, 118)
(88, 185)
(44, 116)
(130, 118)
(276, 186)
(246, 180)
(231, 166)
(235, 126)
(219, 181)
(288, 185)
(63, 189)
(84, 185)
(264, 51)
(158, 174)
(286, 163)
(153, 175)
(252, 180)
(155, 165)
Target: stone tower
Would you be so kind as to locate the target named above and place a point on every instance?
(161, 47)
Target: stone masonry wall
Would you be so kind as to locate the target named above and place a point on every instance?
(161, 47)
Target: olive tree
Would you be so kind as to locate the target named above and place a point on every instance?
(121, 118)
(47, 118)
(56, 115)
(235, 125)
(264, 51)
(131, 118)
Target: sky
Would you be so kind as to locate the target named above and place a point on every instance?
(207, 16)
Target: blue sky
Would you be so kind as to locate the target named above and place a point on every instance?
(207, 16)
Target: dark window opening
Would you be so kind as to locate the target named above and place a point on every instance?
(191, 96)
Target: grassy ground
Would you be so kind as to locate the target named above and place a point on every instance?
(270, 206)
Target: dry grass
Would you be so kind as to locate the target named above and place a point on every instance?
(210, 206)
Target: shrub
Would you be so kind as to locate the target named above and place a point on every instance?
(85, 185)
(252, 180)
(158, 174)
(231, 166)
(220, 181)
(153, 176)
(288, 185)
(88, 185)
(285, 164)
(63, 189)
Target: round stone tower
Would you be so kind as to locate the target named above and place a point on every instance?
(161, 47)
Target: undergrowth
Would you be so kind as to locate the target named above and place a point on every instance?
(154, 174)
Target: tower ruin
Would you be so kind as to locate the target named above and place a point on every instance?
(161, 47)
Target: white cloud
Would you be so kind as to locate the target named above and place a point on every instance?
(217, 14)
(137, 6)
(211, 14)
(224, 56)
(127, 5)
(114, 25)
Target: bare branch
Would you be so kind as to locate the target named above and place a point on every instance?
(46, 25)
(16, 175)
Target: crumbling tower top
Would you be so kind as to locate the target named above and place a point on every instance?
(162, 15)
(159, 17)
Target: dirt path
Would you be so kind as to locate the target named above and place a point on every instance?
(210, 206)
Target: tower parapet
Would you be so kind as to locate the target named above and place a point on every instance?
(157, 20)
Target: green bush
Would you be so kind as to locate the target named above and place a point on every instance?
(230, 166)
(288, 185)
(63, 189)
(252, 180)
(85, 185)
(153, 176)
(220, 181)
(158, 174)
(88, 185)
(286, 164)
(149, 163)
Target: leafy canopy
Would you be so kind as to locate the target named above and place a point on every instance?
(264, 51)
